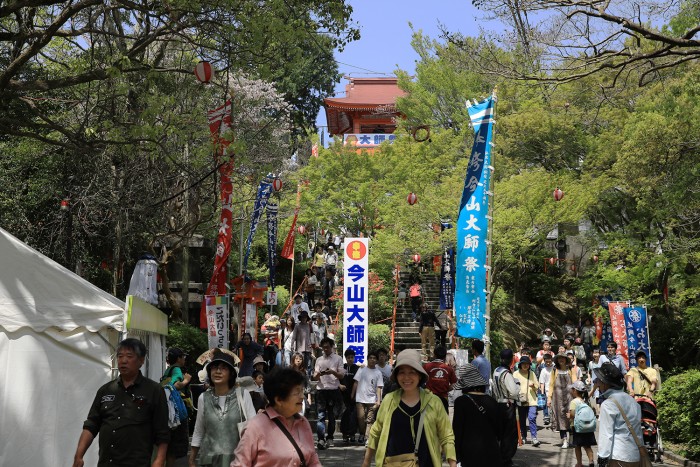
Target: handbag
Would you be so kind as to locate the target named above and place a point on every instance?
(409, 459)
(244, 422)
(644, 460)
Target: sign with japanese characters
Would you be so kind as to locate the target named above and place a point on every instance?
(367, 140)
(637, 331)
(356, 297)
(472, 228)
(447, 280)
(619, 330)
(217, 320)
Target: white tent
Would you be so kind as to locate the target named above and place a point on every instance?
(58, 335)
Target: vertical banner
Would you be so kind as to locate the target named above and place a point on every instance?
(264, 191)
(219, 123)
(606, 336)
(356, 297)
(619, 331)
(272, 209)
(447, 280)
(217, 320)
(288, 248)
(637, 333)
(472, 227)
(250, 319)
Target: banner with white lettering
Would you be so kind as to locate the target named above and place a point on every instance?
(447, 280)
(272, 209)
(637, 333)
(217, 320)
(264, 192)
(472, 227)
(619, 331)
(356, 297)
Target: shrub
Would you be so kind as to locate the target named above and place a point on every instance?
(192, 340)
(679, 412)
(379, 337)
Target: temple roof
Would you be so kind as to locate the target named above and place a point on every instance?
(364, 93)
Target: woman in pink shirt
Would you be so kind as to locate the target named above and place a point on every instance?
(265, 442)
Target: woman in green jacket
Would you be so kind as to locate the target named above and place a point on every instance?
(396, 431)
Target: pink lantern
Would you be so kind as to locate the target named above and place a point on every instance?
(558, 194)
(301, 229)
(65, 203)
(552, 260)
(416, 257)
(204, 72)
(412, 199)
(277, 184)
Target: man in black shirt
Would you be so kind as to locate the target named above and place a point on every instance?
(130, 414)
(348, 422)
(428, 321)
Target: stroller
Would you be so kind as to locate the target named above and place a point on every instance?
(650, 427)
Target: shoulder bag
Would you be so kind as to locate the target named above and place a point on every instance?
(410, 459)
(244, 421)
(289, 436)
(644, 460)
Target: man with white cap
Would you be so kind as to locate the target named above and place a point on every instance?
(331, 259)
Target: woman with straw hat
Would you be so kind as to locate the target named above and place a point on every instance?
(411, 424)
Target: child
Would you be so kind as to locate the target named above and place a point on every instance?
(256, 394)
(402, 293)
(580, 440)
(259, 379)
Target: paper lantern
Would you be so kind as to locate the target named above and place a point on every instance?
(323, 232)
(552, 260)
(301, 229)
(65, 204)
(595, 258)
(558, 194)
(573, 267)
(412, 199)
(204, 72)
(416, 258)
(277, 184)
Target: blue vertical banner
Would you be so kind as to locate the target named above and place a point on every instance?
(264, 191)
(637, 332)
(472, 226)
(272, 210)
(447, 279)
(607, 337)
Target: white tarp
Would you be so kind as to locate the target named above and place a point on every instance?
(58, 334)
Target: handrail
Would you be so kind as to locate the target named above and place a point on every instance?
(291, 296)
(393, 317)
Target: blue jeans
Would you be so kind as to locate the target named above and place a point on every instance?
(528, 414)
(329, 404)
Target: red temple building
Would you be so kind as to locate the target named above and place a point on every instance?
(366, 116)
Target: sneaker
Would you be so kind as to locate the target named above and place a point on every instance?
(546, 421)
(361, 440)
(524, 440)
(329, 443)
(535, 442)
(321, 445)
(352, 440)
(565, 444)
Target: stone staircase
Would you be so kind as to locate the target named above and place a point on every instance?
(406, 331)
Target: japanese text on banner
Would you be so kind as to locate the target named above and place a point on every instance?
(619, 332)
(637, 333)
(217, 320)
(356, 297)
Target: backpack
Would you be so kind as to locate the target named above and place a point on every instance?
(584, 419)
(176, 404)
(414, 291)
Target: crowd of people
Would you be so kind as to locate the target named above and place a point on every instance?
(254, 412)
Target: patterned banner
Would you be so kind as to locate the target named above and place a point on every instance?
(288, 248)
(447, 280)
(606, 336)
(264, 192)
(272, 209)
(217, 320)
(637, 333)
(356, 297)
(220, 123)
(619, 332)
(472, 227)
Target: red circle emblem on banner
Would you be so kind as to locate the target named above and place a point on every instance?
(356, 250)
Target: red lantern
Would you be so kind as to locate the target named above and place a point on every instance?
(65, 202)
(552, 260)
(301, 229)
(573, 267)
(412, 199)
(595, 258)
(416, 257)
(323, 232)
(558, 194)
(277, 184)
(204, 72)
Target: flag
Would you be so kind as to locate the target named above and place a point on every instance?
(217, 320)
(288, 248)
(637, 330)
(272, 209)
(219, 123)
(472, 227)
(264, 191)
(619, 331)
(447, 280)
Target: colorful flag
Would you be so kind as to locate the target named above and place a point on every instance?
(217, 320)
(447, 280)
(219, 123)
(472, 227)
(637, 328)
(272, 209)
(288, 248)
(264, 192)
(619, 331)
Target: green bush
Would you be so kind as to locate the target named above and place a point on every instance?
(379, 337)
(679, 412)
(192, 340)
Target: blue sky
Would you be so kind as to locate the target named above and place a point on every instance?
(385, 42)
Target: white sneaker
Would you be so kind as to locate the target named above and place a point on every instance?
(565, 444)
(535, 442)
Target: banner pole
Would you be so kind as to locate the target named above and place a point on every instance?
(489, 236)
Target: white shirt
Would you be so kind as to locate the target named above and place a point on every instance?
(614, 438)
(297, 308)
(546, 376)
(368, 380)
(335, 363)
(386, 371)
